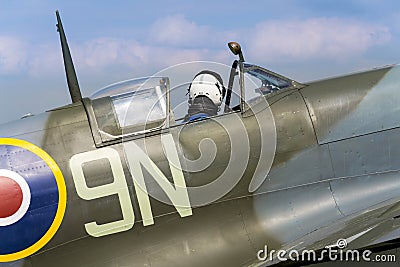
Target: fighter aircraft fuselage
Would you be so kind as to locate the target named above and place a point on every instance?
(298, 168)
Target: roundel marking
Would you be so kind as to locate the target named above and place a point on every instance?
(32, 200)
(10, 197)
(15, 197)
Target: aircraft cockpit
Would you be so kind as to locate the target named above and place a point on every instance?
(140, 106)
(131, 107)
(265, 81)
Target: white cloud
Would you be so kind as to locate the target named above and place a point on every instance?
(178, 31)
(329, 38)
(45, 59)
(175, 39)
(102, 53)
(12, 54)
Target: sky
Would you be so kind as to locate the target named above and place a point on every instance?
(118, 40)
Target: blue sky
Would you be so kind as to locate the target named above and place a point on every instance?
(118, 40)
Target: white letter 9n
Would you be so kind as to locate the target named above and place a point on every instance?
(118, 186)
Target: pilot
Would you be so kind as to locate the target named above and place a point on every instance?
(205, 95)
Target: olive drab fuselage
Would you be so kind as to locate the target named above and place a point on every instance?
(136, 202)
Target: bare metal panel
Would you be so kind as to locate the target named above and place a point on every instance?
(298, 160)
(308, 166)
(288, 214)
(378, 152)
(23, 126)
(359, 193)
(293, 125)
(354, 105)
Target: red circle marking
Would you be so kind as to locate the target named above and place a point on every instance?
(10, 197)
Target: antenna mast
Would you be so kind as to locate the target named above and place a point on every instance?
(72, 79)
